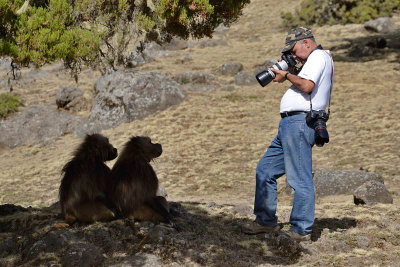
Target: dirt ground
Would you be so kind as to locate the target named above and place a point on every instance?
(213, 140)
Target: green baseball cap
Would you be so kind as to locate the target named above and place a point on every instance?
(295, 35)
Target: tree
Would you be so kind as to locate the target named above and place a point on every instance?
(100, 32)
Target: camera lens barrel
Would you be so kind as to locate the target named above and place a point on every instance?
(266, 76)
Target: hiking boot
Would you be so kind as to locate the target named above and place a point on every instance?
(298, 237)
(254, 228)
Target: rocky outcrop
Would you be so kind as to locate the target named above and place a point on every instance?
(128, 95)
(39, 123)
(39, 237)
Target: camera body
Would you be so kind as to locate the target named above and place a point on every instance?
(266, 76)
(317, 119)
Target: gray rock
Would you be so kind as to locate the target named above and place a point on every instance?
(136, 59)
(336, 182)
(231, 68)
(70, 98)
(5, 64)
(140, 259)
(8, 246)
(53, 242)
(362, 241)
(371, 193)
(153, 50)
(176, 44)
(188, 77)
(244, 78)
(82, 254)
(242, 210)
(382, 24)
(127, 95)
(221, 29)
(101, 237)
(161, 191)
(39, 123)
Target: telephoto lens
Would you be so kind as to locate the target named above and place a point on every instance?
(321, 133)
(266, 76)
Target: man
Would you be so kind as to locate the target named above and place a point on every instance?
(290, 151)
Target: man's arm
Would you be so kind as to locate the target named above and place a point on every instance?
(303, 84)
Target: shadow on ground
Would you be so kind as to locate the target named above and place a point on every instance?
(372, 47)
(211, 235)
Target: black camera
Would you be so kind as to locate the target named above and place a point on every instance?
(266, 76)
(317, 119)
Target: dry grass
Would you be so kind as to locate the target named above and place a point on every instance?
(213, 141)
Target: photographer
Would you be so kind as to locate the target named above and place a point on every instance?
(290, 151)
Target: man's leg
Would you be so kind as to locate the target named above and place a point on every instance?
(270, 167)
(297, 141)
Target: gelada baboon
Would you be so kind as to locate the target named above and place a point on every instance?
(134, 183)
(82, 190)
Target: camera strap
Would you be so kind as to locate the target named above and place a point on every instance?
(319, 47)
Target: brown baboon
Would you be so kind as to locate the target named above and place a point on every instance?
(82, 190)
(134, 183)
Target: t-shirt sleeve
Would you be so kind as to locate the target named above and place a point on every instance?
(314, 67)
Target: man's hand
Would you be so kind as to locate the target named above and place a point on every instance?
(279, 75)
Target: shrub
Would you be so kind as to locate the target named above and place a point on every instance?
(338, 12)
(99, 33)
(8, 104)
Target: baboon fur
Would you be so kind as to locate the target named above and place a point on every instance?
(82, 190)
(134, 183)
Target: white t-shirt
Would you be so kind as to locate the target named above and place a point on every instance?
(318, 68)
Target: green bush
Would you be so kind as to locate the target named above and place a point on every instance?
(338, 12)
(100, 33)
(8, 104)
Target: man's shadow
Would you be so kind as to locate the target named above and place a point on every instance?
(332, 224)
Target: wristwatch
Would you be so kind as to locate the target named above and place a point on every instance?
(286, 75)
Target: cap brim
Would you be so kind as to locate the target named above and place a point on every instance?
(288, 47)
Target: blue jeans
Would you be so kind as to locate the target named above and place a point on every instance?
(291, 153)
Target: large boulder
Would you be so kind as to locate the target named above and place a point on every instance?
(128, 95)
(336, 182)
(39, 123)
(371, 193)
(382, 24)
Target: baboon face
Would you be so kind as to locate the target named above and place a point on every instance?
(105, 150)
(144, 146)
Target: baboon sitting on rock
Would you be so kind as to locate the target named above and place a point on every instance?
(134, 183)
(82, 190)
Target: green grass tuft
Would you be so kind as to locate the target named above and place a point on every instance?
(8, 104)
